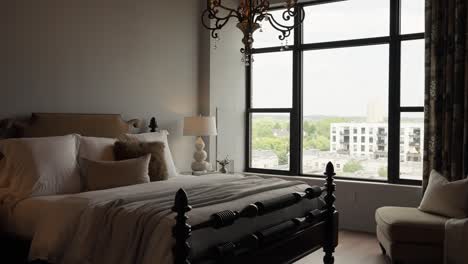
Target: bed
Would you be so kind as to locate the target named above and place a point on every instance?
(186, 219)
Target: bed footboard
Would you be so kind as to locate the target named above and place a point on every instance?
(283, 243)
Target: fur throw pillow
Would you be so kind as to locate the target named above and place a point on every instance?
(133, 149)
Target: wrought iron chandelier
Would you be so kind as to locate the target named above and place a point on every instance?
(250, 14)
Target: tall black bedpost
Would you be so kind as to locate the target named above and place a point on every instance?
(153, 125)
(330, 239)
(181, 231)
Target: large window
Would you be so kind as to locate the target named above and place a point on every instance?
(349, 88)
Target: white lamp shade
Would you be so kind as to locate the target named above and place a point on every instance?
(200, 126)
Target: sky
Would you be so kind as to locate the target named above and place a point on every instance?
(342, 82)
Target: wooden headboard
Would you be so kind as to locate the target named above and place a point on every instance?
(58, 124)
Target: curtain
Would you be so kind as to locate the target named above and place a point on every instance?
(446, 99)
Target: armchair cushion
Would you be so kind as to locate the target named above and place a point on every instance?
(410, 225)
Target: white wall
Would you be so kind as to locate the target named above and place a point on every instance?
(139, 58)
(226, 94)
(357, 201)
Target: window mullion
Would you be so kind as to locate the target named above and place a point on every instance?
(394, 93)
(296, 114)
(248, 121)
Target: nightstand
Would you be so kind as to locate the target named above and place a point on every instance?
(206, 173)
(199, 173)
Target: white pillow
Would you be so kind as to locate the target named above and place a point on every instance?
(95, 148)
(40, 166)
(101, 175)
(158, 137)
(449, 199)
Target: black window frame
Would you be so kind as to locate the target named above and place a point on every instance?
(394, 39)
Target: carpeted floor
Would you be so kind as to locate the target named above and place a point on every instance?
(353, 248)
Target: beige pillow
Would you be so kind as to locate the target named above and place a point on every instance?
(40, 166)
(94, 148)
(449, 199)
(100, 175)
(133, 149)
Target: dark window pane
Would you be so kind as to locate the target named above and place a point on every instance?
(270, 141)
(347, 20)
(272, 80)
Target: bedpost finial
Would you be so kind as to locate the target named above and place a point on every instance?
(181, 231)
(181, 202)
(331, 187)
(153, 125)
(330, 170)
(330, 243)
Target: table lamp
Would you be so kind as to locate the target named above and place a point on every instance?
(200, 126)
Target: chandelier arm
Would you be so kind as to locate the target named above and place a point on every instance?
(218, 25)
(222, 22)
(213, 14)
(214, 10)
(260, 18)
(278, 26)
(293, 12)
(283, 29)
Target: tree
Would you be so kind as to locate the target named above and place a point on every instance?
(280, 146)
(282, 158)
(317, 142)
(262, 128)
(383, 172)
(352, 166)
(322, 143)
(309, 128)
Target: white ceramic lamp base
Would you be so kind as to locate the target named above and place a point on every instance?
(200, 164)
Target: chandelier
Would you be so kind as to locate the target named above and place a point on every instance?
(250, 14)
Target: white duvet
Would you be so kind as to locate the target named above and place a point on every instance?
(133, 224)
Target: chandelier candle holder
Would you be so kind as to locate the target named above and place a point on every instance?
(250, 14)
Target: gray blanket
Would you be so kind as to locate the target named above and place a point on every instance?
(133, 224)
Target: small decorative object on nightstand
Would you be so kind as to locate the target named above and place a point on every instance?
(223, 163)
(200, 126)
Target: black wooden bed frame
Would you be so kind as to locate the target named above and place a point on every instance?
(284, 242)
